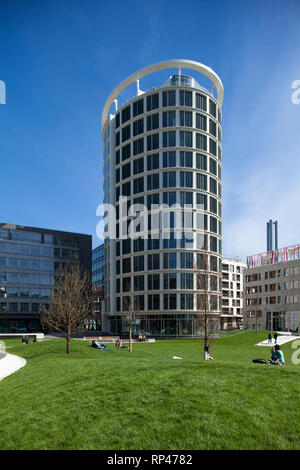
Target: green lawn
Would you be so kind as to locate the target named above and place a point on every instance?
(146, 400)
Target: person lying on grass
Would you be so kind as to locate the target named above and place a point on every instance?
(277, 356)
(97, 345)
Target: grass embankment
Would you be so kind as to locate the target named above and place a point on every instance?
(94, 399)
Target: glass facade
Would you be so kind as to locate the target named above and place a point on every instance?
(162, 147)
(30, 260)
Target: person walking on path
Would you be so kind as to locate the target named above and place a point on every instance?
(275, 337)
(269, 338)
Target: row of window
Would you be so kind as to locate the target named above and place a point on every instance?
(169, 179)
(20, 307)
(156, 262)
(166, 99)
(187, 199)
(168, 302)
(38, 250)
(170, 159)
(36, 237)
(34, 264)
(171, 281)
(167, 119)
(26, 293)
(168, 139)
(22, 278)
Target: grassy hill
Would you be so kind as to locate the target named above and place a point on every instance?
(94, 399)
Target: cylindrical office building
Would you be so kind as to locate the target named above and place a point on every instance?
(162, 174)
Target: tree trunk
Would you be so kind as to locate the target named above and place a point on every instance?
(130, 334)
(68, 342)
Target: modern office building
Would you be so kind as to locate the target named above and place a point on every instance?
(98, 287)
(232, 293)
(272, 290)
(163, 146)
(30, 258)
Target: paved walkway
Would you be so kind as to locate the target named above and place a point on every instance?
(280, 340)
(10, 364)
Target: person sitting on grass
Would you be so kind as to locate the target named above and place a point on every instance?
(97, 345)
(122, 345)
(207, 356)
(277, 356)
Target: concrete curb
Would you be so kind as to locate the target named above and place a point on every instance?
(10, 364)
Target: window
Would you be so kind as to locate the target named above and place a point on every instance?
(169, 119)
(153, 162)
(126, 189)
(153, 282)
(117, 139)
(186, 301)
(138, 127)
(169, 159)
(169, 98)
(212, 108)
(152, 142)
(153, 243)
(117, 120)
(169, 260)
(153, 302)
(138, 166)
(186, 159)
(138, 107)
(138, 185)
(186, 260)
(169, 179)
(186, 179)
(169, 198)
(185, 98)
(169, 139)
(153, 261)
(152, 200)
(126, 265)
(213, 147)
(213, 205)
(201, 121)
(126, 246)
(186, 281)
(138, 263)
(170, 281)
(152, 122)
(212, 127)
(126, 173)
(213, 185)
(152, 102)
(201, 101)
(126, 114)
(138, 146)
(138, 283)
(125, 133)
(170, 301)
(138, 244)
(117, 157)
(213, 166)
(201, 162)
(126, 284)
(139, 303)
(186, 118)
(126, 152)
(186, 198)
(201, 141)
(213, 224)
(153, 181)
(186, 139)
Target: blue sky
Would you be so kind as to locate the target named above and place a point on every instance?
(61, 59)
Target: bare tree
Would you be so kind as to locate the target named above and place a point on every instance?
(255, 312)
(70, 302)
(207, 299)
